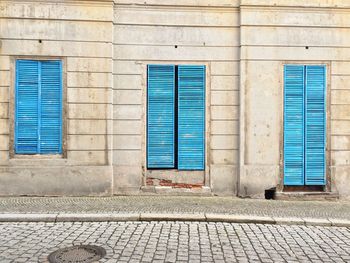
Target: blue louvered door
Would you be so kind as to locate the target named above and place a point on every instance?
(161, 116)
(191, 117)
(315, 130)
(27, 103)
(51, 107)
(294, 125)
(304, 125)
(38, 107)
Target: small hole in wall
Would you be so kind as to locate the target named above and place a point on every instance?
(270, 193)
(175, 46)
(306, 47)
(40, 41)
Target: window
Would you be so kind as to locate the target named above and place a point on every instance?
(304, 125)
(38, 107)
(176, 117)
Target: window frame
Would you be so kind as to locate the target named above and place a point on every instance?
(12, 109)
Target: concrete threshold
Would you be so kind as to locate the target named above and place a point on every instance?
(200, 217)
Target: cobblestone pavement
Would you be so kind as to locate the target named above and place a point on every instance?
(173, 204)
(178, 241)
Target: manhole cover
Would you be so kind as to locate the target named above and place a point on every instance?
(77, 254)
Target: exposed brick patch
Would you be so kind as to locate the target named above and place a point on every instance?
(149, 181)
(163, 182)
(197, 185)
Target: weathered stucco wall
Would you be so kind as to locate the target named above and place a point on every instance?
(176, 32)
(79, 33)
(106, 45)
(274, 33)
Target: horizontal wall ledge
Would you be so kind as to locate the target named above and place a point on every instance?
(56, 30)
(170, 53)
(295, 4)
(295, 53)
(56, 48)
(69, 10)
(208, 4)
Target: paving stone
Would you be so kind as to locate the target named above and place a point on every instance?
(339, 222)
(239, 218)
(28, 217)
(289, 221)
(175, 205)
(172, 216)
(213, 242)
(317, 222)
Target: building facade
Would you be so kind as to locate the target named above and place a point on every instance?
(225, 97)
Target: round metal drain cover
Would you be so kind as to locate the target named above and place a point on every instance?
(77, 254)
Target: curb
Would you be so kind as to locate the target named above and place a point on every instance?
(199, 217)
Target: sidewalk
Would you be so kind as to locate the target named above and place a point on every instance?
(149, 208)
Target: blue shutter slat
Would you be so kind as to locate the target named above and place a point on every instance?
(161, 116)
(315, 134)
(26, 112)
(191, 117)
(51, 108)
(294, 125)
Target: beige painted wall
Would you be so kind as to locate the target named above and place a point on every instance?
(274, 33)
(79, 33)
(176, 32)
(106, 46)
(105, 72)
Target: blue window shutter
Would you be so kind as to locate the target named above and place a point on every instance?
(315, 133)
(161, 116)
(191, 117)
(38, 113)
(26, 108)
(51, 107)
(294, 124)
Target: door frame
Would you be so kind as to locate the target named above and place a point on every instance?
(175, 175)
(327, 64)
